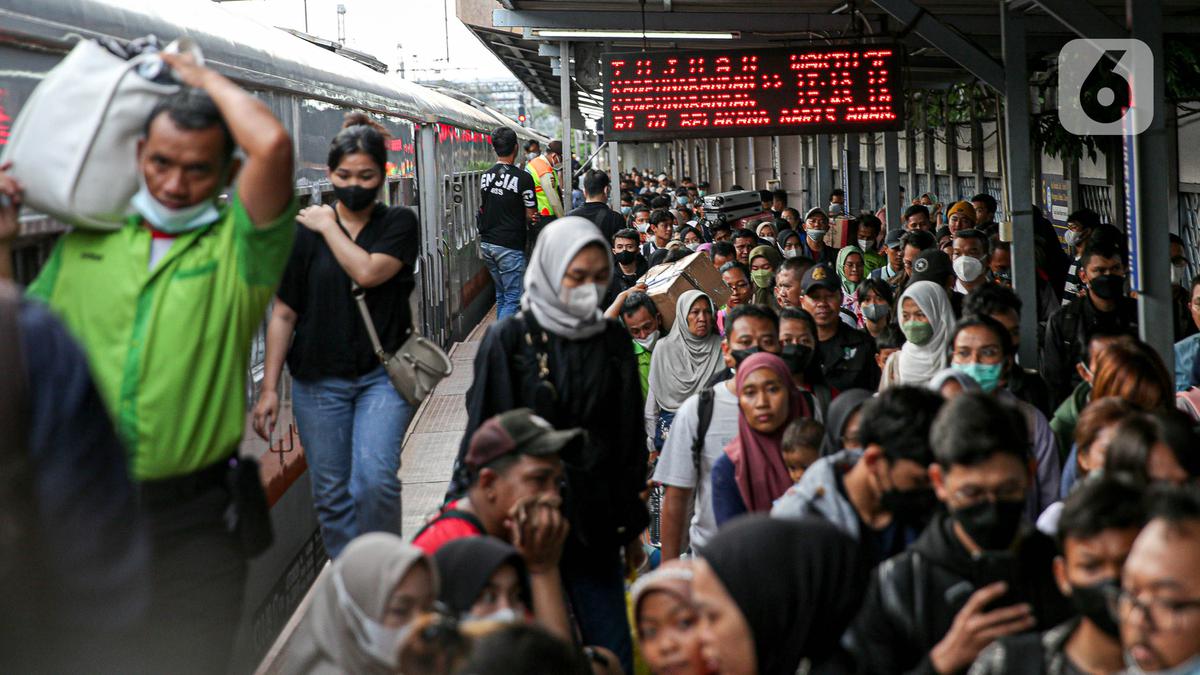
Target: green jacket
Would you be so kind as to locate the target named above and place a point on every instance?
(1067, 416)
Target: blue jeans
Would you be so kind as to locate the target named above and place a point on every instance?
(507, 267)
(352, 430)
(597, 598)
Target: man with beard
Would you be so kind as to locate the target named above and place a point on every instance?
(880, 494)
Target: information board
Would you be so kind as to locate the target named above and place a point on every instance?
(752, 92)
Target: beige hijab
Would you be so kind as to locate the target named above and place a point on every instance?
(332, 638)
(682, 363)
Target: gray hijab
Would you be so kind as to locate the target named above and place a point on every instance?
(330, 638)
(683, 363)
(557, 245)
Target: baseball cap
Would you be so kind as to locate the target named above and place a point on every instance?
(963, 209)
(820, 276)
(816, 210)
(932, 265)
(894, 239)
(517, 431)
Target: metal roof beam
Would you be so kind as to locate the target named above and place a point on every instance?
(1082, 18)
(689, 21)
(964, 52)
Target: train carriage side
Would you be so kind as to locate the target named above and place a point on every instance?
(438, 149)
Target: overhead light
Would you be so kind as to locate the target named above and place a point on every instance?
(584, 34)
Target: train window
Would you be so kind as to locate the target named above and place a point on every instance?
(393, 191)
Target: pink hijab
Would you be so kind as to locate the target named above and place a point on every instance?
(758, 467)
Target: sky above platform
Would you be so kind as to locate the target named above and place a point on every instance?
(377, 26)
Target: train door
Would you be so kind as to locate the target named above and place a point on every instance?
(433, 219)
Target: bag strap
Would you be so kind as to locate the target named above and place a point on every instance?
(360, 299)
(704, 413)
(453, 514)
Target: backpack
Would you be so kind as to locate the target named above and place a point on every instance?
(1189, 402)
(704, 413)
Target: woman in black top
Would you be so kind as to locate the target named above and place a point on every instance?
(351, 420)
(560, 356)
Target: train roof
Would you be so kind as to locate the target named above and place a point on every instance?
(244, 50)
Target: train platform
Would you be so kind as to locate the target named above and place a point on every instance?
(433, 436)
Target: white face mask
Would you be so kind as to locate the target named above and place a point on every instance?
(647, 342)
(791, 253)
(379, 641)
(504, 615)
(866, 244)
(692, 246)
(643, 227)
(1178, 272)
(968, 268)
(531, 156)
(1070, 236)
(769, 240)
(173, 221)
(582, 302)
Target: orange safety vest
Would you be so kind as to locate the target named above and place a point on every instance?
(538, 167)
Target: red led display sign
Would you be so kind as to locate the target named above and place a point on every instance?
(752, 92)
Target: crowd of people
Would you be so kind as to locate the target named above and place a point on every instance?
(837, 464)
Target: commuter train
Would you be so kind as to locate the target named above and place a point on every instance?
(439, 148)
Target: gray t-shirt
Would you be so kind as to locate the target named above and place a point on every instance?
(676, 468)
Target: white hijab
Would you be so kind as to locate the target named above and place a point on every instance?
(919, 363)
(556, 246)
(681, 362)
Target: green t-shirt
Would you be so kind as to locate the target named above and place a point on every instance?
(169, 346)
(643, 359)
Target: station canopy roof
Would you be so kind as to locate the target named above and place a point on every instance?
(948, 41)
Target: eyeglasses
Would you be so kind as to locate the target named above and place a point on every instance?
(852, 266)
(1161, 613)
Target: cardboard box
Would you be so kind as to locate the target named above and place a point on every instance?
(666, 282)
(841, 232)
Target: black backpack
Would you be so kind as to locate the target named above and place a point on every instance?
(704, 413)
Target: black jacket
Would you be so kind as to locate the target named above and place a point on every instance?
(848, 360)
(607, 220)
(597, 389)
(1068, 333)
(914, 597)
(622, 282)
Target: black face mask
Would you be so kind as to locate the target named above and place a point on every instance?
(625, 257)
(911, 507)
(1091, 602)
(797, 357)
(740, 355)
(355, 197)
(992, 525)
(1108, 286)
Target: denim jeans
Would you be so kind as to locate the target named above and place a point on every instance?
(352, 430)
(507, 267)
(597, 597)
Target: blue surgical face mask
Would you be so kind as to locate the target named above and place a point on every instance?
(173, 221)
(682, 201)
(626, 210)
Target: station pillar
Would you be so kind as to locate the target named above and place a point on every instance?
(565, 84)
(1020, 198)
(891, 181)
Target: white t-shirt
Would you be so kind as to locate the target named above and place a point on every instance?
(675, 466)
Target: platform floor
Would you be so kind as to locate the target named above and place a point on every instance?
(434, 436)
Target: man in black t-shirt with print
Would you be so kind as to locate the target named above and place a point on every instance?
(504, 214)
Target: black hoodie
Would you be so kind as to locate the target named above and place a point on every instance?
(914, 597)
